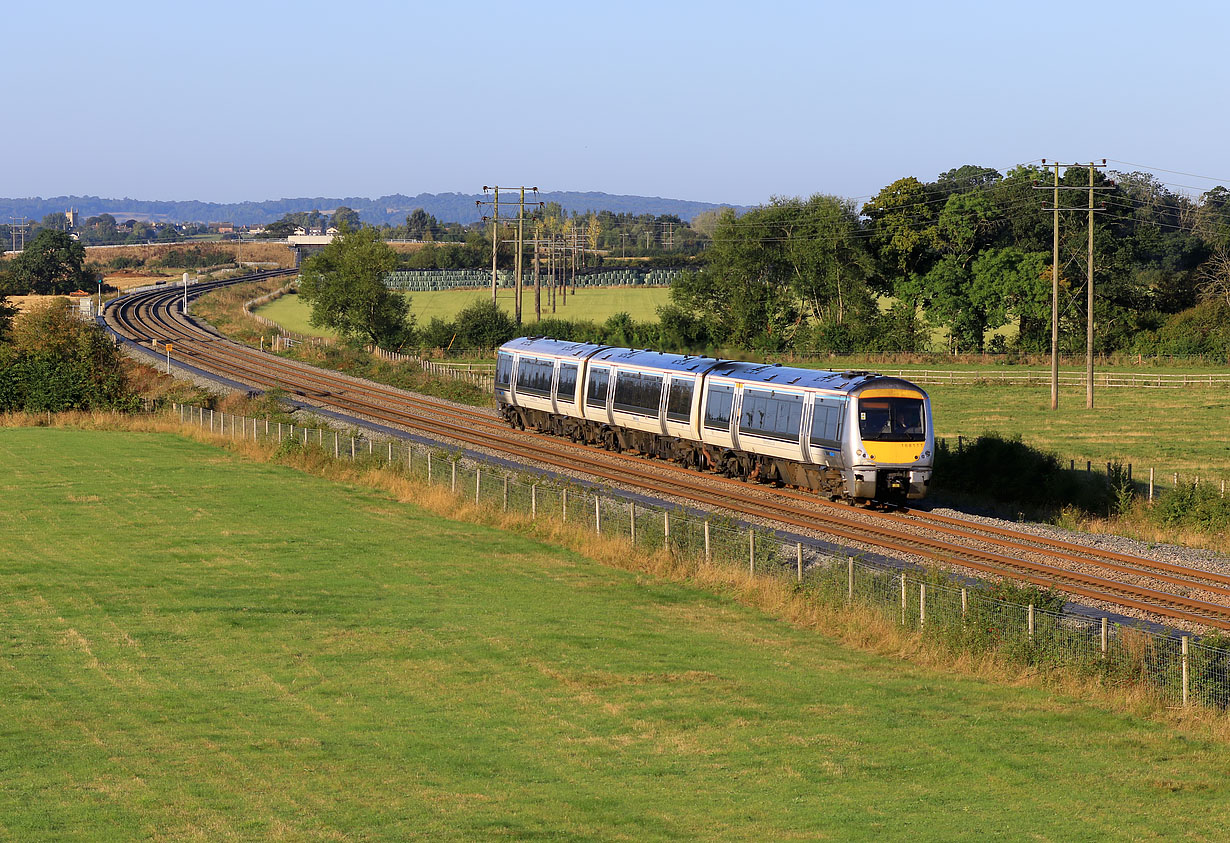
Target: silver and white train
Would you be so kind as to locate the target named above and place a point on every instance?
(852, 435)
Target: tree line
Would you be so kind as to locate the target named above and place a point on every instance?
(969, 253)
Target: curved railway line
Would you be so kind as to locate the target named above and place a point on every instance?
(1173, 592)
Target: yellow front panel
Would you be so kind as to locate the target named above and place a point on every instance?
(894, 452)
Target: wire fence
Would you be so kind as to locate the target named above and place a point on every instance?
(1178, 670)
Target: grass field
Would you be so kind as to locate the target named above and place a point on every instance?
(1171, 430)
(200, 646)
(595, 304)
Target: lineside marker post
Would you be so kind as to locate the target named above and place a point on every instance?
(505, 505)
(305, 437)
(336, 448)
(922, 604)
(964, 603)
(799, 559)
(563, 505)
(352, 449)
(390, 452)
(1185, 685)
(1150, 485)
(1031, 621)
(369, 447)
(597, 515)
(453, 488)
(850, 580)
(534, 501)
(478, 483)
(429, 468)
(708, 552)
(751, 552)
(1104, 637)
(632, 521)
(666, 529)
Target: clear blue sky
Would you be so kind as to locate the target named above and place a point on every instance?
(712, 101)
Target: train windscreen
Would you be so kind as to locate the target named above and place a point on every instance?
(884, 419)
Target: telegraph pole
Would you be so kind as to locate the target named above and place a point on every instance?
(495, 234)
(1055, 285)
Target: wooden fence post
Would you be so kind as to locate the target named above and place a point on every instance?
(964, 602)
(1186, 697)
(478, 483)
(1104, 637)
(922, 604)
(429, 468)
(751, 551)
(903, 598)
(563, 505)
(534, 501)
(708, 552)
(504, 507)
(1031, 622)
(666, 529)
(799, 560)
(632, 521)
(850, 580)
(597, 514)
(453, 488)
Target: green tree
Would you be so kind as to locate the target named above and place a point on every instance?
(55, 362)
(344, 284)
(483, 325)
(344, 217)
(903, 233)
(53, 263)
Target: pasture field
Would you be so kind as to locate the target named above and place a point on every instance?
(595, 304)
(1183, 430)
(198, 645)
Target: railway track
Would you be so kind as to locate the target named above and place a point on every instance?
(1169, 591)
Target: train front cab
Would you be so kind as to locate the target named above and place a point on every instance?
(892, 442)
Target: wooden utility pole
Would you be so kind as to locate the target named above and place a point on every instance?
(1055, 286)
(537, 277)
(1055, 299)
(495, 234)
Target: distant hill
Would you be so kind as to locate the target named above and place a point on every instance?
(446, 207)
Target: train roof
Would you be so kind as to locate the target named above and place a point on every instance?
(555, 348)
(770, 374)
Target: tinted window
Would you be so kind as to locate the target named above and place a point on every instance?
(891, 419)
(679, 401)
(534, 376)
(503, 369)
(717, 409)
(638, 392)
(566, 389)
(599, 378)
(827, 420)
(775, 415)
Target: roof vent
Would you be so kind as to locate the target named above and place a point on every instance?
(855, 373)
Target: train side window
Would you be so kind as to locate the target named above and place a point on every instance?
(599, 380)
(826, 422)
(534, 376)
(638, 392)
(717, 408)
(503, 369)
(679, 400)
(566, 389)
(773, 415)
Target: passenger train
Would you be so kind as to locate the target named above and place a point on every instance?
(849, 435)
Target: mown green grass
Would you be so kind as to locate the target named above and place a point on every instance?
(595, 304)
(1171, 430)
(197, 645)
